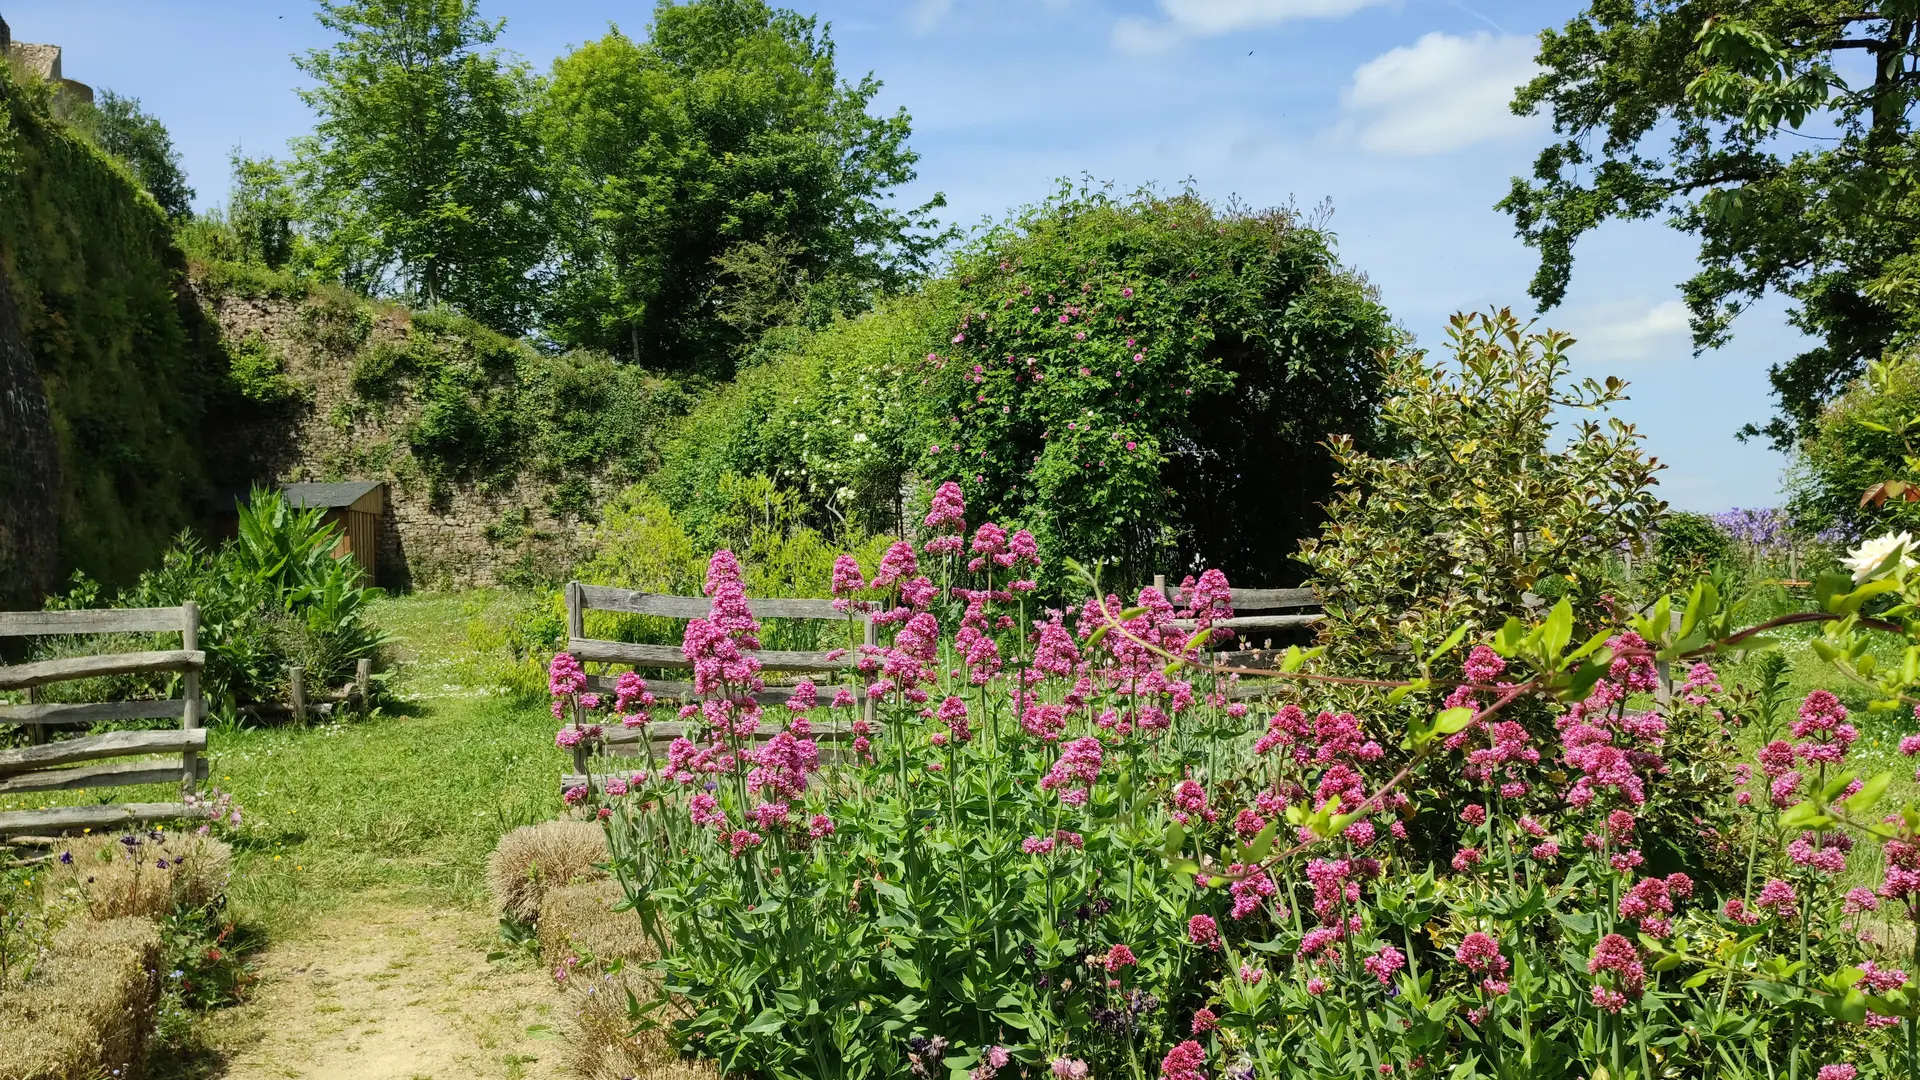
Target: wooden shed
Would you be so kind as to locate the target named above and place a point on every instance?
(353, 509)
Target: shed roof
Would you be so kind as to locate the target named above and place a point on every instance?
(328, 495)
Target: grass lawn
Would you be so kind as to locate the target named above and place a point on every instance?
(405, 803)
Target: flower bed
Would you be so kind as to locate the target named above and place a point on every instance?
(1065, 842)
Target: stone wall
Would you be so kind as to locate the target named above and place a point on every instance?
(29, 470)
(432, 536)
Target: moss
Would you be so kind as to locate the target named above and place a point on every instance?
(130, 364)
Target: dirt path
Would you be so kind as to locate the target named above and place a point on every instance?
(393, 992)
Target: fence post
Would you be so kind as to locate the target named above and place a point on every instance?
(297, 685)
(576, 613)
(363, 681)
(1663, 672)
(869, 634)
(1160, 585)
(191, 706)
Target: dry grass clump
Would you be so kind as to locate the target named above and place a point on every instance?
(598, 1040)
(532, 859)
(88, 1009)
(579, 920)
(149, 877)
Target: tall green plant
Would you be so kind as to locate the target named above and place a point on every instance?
(1477, 505)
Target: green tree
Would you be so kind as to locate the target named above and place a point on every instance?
(119, 126)
(262, 211)
(423, 173)
(719, 157)
(1732, 119)
(1865, 442)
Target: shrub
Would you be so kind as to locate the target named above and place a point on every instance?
(533, 859)
(1475, 507)
(259, 372)
(1863, 439)
(88, 1011)
(1071, 844)
(273, 596)
(1104, 371)
(1688, 545)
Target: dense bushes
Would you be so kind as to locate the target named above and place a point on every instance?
(273, 596)
(1146, 381)
(1861, 440)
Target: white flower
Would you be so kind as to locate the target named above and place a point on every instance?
(1866, 558)
(859, 436)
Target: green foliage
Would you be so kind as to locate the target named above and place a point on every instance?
(273, 596)
(718, 178)
(1688, 545)
(1860, 442)
(1825, 223)
(1252, 345)
(250, 246)
(141, 142)
(259, 372)
(423, 169)
(129, 362)
(1478, 504)
(490, 407)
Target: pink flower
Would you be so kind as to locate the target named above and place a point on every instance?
(1204, 1021)
(1474, 814)
(1859, 900)
(1316, 986)
(1837, 1072)
(819, 826)
(1385, 963)
(1779, 896)
(1202, 930)
(1184, 1062)
(1120, 956)
(1483, 665)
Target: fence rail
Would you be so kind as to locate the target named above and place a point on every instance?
(64, 764)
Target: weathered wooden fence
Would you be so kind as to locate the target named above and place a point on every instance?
(61, 764)
(627, 742)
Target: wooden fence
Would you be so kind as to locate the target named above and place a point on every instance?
(59, 765)
(626, 742)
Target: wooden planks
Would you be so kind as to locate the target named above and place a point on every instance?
(105, 745)
(593, 650)
(92, 621)
(1261, 599)
(42, 672)
(79, 715)
(1256, 622)
(634, 602)
(107, 816)
(117, 774)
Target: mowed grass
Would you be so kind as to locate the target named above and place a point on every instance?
(404, 804)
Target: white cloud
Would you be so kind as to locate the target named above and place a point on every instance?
(1629, 333)
(928, 14)
(1441, 93)
(1205, 18)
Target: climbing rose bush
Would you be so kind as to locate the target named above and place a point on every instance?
(1062, 842)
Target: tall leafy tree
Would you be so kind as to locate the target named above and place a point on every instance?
(118, 125)
(719, 155)
(423, 172)
(1777, 131)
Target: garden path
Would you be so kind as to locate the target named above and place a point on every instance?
(393, 991)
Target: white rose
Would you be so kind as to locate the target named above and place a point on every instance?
(1864, 559)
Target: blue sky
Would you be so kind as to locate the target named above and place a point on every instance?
(1394, 110)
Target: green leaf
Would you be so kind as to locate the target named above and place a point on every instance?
(1869, 795)
(1453, 720)
(1459, 634)
(1558, 629)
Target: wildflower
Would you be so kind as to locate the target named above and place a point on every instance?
(1839, 1072)
(1184, 1061)
(1610, 1000)
(1544, 851)
(1068, 1069)
(1202, 930)
(1204, 1020)
(1120, 956)
(1859, 900)
(1251, 886)
(1075, 771)
(1251, 975)
(1474, 814)
(1483, 665)
(1779, 896)
(1037, 845)
(1736, 909)
(1385, 963)
(1620, 956)
(1466, 859)
(1316, 986)
(741, 840)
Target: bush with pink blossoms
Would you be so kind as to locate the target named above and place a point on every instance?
(1089, 859)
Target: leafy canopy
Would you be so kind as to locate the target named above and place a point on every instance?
(720, 160)
(118, 125)
(1777, 131)
(423, 170)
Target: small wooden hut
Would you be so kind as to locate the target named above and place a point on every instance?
(353, 509)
